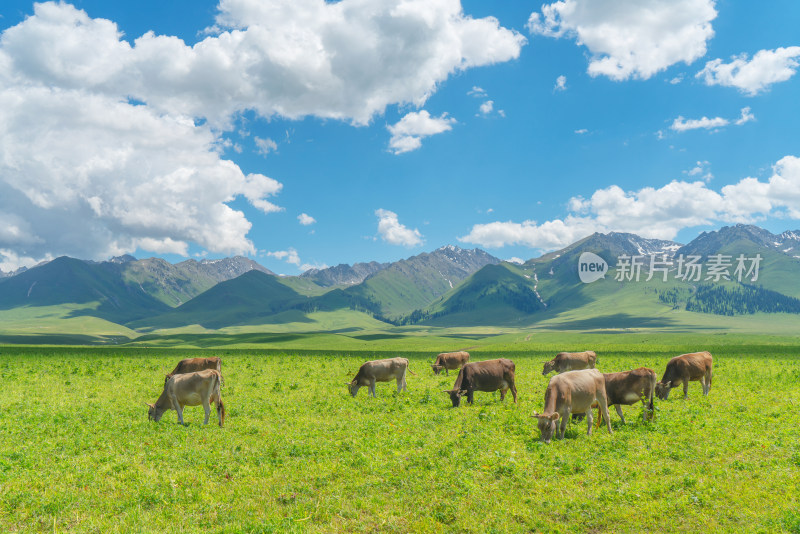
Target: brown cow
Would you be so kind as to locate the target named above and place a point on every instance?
(570, 361)
(686, 368)
(449, 360)
(190, 389)
(380, 371)
(190, 365)
(627, 387)
(573, 391)
(489, 375)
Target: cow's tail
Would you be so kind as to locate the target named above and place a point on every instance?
(410, 371)
(650, 392)
(220, 404)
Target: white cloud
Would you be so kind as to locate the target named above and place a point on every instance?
(700, 169)
(561, 83)
(514, 259)
(265, 146)
(754, 75)
(682, 125)
(93, 177)
(407, 134)
(306, 219)
(655, 213)
(487, 107)
(581, 131)
(630, 38)
(289, 256)
(391, 231)
(101, 149)
(477, 92)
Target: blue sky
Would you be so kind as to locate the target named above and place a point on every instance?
(304, 134)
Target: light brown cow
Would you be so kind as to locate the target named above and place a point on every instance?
(570, 361)
(190, 365)
(686, 368)
(573, 391)
(380, 371)
(628, 387)
(190, 389)
(489, 375)
(449, 360)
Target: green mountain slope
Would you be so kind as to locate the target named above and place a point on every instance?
(70, 281)
(414, 283)
(248, 299)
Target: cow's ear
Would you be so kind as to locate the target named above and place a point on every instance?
(554, 416)
(463, 392)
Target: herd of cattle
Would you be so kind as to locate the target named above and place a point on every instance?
(572, 393)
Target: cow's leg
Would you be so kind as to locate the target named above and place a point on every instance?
(707, 382)
(372, 387)
(685, 388)
(207, 408)
(603, 402)
(470, 395)
(177, 407)
(619, 412)
(589, 421)
(514, 391)
(563, 427)
(503, 394)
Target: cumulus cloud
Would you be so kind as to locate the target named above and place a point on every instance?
(306, 219)
(487, 107)
(477, 92)
(108, 146)
(752, 76)
(700, 169)
(630, 38)
(655, 213)
(682, 125)
(561, 83)
(265, 146)
(391, 231)
(408, 133)
(293, 258)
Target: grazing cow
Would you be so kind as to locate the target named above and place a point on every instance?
(573, 391)
(628, 387)
(190, 389)
(190, 365)
(570, 361)
(489, 375)
(686, 368)
(380, 371)
(449, 360)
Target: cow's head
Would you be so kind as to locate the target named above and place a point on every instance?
(436, 368)
(547, 424)
(455, 396)
(663, 389)
(549, 367)
(153, 413)
(353, 387)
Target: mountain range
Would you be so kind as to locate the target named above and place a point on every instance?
(447, 287)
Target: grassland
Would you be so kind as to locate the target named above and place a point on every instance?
(298, 454)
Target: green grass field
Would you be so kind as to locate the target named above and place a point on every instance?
(298, 454)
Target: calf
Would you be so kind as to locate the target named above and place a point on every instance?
(686, 368)
(190, 389)
(380, 371)
(190, 365)
(573, 391)
(628, 387)
(489, 375)
(449, 360)
(570, 361)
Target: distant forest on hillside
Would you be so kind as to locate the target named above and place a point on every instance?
(742, 299)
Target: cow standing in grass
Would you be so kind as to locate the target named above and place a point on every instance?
(570, 361)
(191, 365)
(572, 392)
(380, 371)
(190, 389)
(684, 369)
(629, 387)
(489, 375)
(448, 361)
